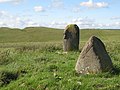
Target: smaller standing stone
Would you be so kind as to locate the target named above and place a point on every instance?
(93, 58)
(71, 38)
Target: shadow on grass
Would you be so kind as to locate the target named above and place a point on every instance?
(115, 70)
(7, 77)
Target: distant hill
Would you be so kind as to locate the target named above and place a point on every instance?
(44, 34)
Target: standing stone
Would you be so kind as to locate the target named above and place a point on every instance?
(71, 38)
(93, 58)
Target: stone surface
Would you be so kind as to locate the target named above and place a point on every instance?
(71, 38)
(93, 58)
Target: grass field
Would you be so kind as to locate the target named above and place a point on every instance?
(33, 59)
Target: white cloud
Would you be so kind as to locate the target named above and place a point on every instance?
(39, 9)
(57, 4)
(85, 22)
(31, 23)
(11, 1)
(2, 13)
(117, 24)
(2, 1)
(56, 24)
(81, 22)
(13, 21)
(76, 9)
(115, 18)
(3, 24)
(114, 25)
(91, 4)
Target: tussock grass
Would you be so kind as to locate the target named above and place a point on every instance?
(5, 57)
(52, 69)
(43, 65)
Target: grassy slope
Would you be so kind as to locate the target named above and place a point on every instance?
(43, 66)
(47, 34)
(30, 35)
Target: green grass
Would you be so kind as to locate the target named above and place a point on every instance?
(38, 62)
(41, 34)
(30, 34)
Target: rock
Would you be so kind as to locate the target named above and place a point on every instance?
(93, 58)
(71, 38)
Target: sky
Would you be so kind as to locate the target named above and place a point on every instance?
(59, 13)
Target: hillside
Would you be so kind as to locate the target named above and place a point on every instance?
(33, 59)
(29, 35)
(42, 34)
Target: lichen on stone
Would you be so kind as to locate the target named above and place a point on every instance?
(71, 28)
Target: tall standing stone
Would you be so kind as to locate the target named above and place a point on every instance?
(71, 38)
(93, 58)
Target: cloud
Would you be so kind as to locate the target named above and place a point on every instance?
(14, 21)
(55, 24)
(84, 23)
(31, 23)
(2, 13)
(81, 22)
(39, 9)
(76, 9)
(117, 24)
(115, 18)
(57, 4)
(91, 4)
(11, 1)
(3, 24)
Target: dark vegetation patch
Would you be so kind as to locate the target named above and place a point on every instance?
(116, 70)
(6, 77)
(52, 68)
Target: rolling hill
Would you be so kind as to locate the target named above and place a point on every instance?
(43, 34)
(33, 59)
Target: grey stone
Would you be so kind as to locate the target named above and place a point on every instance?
(93, 58)
(71, 38)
